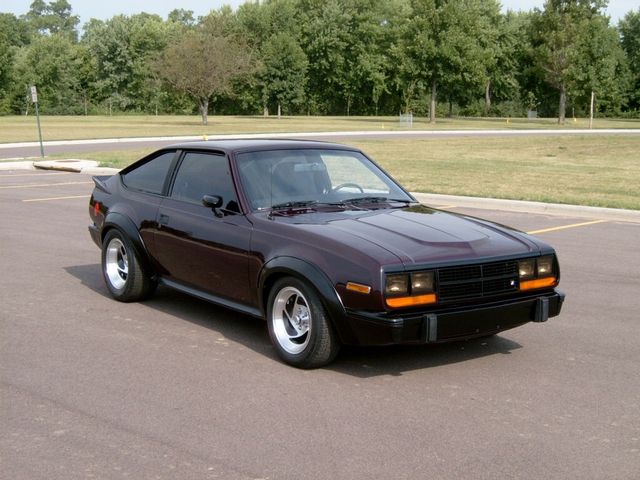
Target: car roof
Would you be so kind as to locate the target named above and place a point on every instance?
(252, 145)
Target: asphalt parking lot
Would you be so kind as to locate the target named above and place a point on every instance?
(177, 388)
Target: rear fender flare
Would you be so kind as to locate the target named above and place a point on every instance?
(126, 226)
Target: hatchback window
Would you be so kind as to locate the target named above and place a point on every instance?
(203, 174)
(150, 176)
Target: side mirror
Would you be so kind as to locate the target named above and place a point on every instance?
(214, 202)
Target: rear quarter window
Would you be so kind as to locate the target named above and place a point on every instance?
(150, 176)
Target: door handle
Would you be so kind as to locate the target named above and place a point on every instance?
(163, 219)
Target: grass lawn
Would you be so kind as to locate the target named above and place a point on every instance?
(601, 170)
(22, 129)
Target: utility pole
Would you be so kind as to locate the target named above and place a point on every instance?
(34, 99)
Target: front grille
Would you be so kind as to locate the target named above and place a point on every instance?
(474, 281)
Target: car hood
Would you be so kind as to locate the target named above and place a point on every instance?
(419, 234)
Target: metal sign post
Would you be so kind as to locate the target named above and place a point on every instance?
(34, 99)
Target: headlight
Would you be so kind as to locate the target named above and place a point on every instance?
(545, 266)
(397, 284)
(527, 269)
(421, 282)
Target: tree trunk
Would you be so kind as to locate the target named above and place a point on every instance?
(563, 105)
(487, 98)
(432, 110)
(265, 111)
(450, 108)
(593, 97)
(279, 111)
(204, 110)
(348, 105)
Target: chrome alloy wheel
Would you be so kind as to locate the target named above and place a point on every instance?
(291, 319)
(117, 264)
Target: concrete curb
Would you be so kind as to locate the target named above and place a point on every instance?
(17, 165)
(89, 167)
(555, 209)
(68, 165)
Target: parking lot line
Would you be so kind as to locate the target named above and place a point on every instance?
(564, 227)
(37, 174)
(55, 198)
(26, 185)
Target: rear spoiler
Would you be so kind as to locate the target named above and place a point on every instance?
(100, 181)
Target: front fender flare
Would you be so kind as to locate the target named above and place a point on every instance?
(295, 267)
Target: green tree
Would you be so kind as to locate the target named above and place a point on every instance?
(502, 67)
(629, 28)
(283, 73)
(444, 46)
(56, 66)
(347, 43)
(206, 61)
(557, 36)
(125, 49)
(53, 18)
(182, 16)
(598, 66)
(14, 34)
(257, 23)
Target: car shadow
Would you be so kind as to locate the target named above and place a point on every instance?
(362, 362)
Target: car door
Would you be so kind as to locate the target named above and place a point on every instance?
(200, 247)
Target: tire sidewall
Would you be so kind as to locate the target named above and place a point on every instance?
(319, 322)
(125, 291)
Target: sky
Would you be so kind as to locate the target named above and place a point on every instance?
(106, 9)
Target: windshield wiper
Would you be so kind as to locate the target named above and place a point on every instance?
(300, 204)
(357, 200)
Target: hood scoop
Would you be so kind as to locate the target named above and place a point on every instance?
(436, 229)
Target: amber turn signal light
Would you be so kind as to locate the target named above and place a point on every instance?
(399, 302)
(538, 283)
(358, 287)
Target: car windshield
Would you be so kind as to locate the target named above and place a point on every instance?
(300, 178)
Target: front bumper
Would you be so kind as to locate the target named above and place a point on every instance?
(451, 324)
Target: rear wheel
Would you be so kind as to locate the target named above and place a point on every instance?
(121, 269)
(299, 325)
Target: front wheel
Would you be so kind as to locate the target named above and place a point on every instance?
(299, 325)
(121, 269)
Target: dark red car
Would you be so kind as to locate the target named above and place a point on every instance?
(320, 241)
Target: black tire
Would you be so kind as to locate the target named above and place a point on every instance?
(299, 326)
(121, 270)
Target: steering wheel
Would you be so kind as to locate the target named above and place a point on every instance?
(346, 185)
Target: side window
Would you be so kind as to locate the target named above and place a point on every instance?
(150, 176)
(205, 174)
